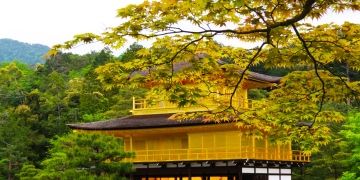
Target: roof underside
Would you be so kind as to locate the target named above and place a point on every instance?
(262, 77)
(137, 122)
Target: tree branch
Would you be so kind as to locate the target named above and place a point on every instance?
(257, 13)
(316, 67)
(244, 71)
(308, 5)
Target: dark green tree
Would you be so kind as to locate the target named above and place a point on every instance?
(15, 144)
(351, 134)
(83, 156)
(131, 52)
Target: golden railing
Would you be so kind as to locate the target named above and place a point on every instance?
(218, 154)
(146, 106)
(300, 156)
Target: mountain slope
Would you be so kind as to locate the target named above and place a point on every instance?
(25, 52)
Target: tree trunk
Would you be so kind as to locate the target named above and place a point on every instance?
(9, 172)
(348, 101)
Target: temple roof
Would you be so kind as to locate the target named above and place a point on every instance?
(251, 75)
(137, 122)
(262, 77)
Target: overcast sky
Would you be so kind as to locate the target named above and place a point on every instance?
(51, 22)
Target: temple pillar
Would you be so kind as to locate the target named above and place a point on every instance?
(189, 173)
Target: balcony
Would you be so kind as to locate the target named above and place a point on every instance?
(147, 106)
(173, 155)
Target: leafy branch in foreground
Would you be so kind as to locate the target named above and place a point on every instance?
(182, 55)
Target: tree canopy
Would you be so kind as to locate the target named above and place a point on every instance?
(83, 156)
(36, 103)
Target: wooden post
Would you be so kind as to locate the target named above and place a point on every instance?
(133, 98)
(189, 172)
(131, 143)
(290, 152)
(239, 176)
(266, 148)
(245, 96)
(241, 155)
(278, 147)
(253, 146)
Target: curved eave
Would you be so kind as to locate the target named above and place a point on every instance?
(251, 76)
(137, 122)
(263, 78)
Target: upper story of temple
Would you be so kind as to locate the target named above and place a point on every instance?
(221, 96)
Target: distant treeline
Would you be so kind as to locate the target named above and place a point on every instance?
(24, 52)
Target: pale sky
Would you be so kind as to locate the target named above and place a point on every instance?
(51, 22)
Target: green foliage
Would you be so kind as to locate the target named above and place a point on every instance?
(131, 53)
(13, 149)
(28, 172)
(14, 82)
(328, 163)
(80, 73)
(349, 176)
(257, 94)
(65, 62)
(82, 156)
(27, 53)
(93, 117)
(337, 160)
(351, 134)
(39, 102)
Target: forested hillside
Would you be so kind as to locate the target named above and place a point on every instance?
(24, 52)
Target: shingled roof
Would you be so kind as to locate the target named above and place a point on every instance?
(137, 122)
(251, 75)
(262, 77)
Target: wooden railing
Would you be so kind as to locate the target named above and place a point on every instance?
(300, 156)
(146, 106)
(218, 154)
